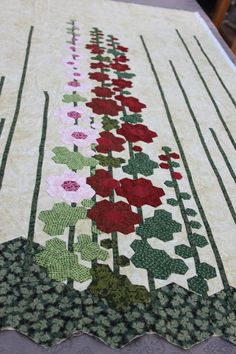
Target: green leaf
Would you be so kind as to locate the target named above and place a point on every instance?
(160, 226)
(74, 160)
(185, 196)
(132, 118)
(158, 262)
(195, 224)
(109, 123)
(109, 161)
(114, 52)
(206, 271)
(123, 261)
(60, 263)
(101, 58)
(166, 149)
(125, 92)
(107, 243)
(124, 75)
(184, 251)
(190, 212)
(60, 217)
(170, 183)
(88, 203)
(89, 250)
(172, 201)
(198, 240)
(198, 284)
(174, 164)
(140, 163)
(75, 97)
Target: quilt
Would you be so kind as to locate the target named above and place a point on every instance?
(117, 174)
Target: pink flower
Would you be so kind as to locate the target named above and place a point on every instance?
(79, 136)
(80, 87)
(70, 63)
(69, 114)
(70, 187)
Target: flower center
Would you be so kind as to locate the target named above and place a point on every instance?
(73, 114)
(74, 84)
(79, 135)
(70, 186)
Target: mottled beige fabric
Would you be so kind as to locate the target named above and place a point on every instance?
(46, 72)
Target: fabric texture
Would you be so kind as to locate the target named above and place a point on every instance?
(117, 175)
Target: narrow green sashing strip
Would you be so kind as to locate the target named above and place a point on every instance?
(2, 122)
(204, 145)
(190, 177)
(17, 110)
(208, 91)
(1, 83)
(34, 202)
(215, 70)
(228, 164)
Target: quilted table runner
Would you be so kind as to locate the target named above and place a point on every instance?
(117, 174)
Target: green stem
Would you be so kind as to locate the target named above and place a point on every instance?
(208, 91)
(2, 121)
(17, 110)
(34, 203)
(1, 83)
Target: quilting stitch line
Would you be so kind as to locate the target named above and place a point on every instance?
(208, 91)
(17, 109)
(189, 175)
(215, 70)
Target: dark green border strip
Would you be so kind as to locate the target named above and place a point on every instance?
(204, 145)
(228, 164)
(1, 83)
(215, 70)
(17, 110)
(189, 175)
(208, 91)
(2, 122)
(34, 203)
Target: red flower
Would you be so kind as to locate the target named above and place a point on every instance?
(103, 183)
(120, 67)
(111, 217)
(139, 192)
(132, 103)
(137, 148)
(92, 46)
(123, 49)
(174, 155)
(164, 157)
(98, 76)
(121, 83)
(97, 50)
(102, 106)
(109, 142)
(137, 132)
(121, 58)
(164, 165)
(98, 65)
(103, 91)
(176, 175)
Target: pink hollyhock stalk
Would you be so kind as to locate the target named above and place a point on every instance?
(68, 113)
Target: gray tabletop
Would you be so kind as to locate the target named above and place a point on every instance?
(12, 342)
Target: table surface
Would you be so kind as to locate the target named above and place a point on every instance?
(12, 342)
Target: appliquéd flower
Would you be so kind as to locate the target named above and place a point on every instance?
(103, 183)
(136, 132)
(69, 114)
(98, 76)
(140, 191)
(119, 67)
(103, 91)
(131, 102)
(103, 106)
(111, 217)
(121, 83)
(70, 187)
(109, 142)
(80, 136)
